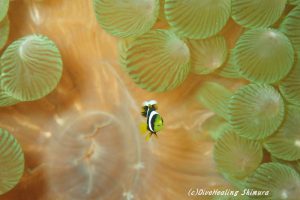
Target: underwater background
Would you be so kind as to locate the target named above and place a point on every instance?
(75, 73)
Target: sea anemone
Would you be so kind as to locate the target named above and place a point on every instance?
(6, 100)
(197, 19)
(214, 97)
(4, 5)
(294, 164)
(207, 55)
(11, 161)
(294, 2)
(158, 61)
(4, 31)
(123, 46)
(129, 18)
(31, 68)
(290, 86)
(257, 13)
(229, 69)
(237, 156)
(161, 15)
(264, 55)
(281, 181)
(285, 144)
(91, 150)
(215, 126)
(256, 111)
(238, 183)
(291, 27)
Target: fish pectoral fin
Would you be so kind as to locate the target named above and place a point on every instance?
(144, 111)
(143, 128)
(148, 137)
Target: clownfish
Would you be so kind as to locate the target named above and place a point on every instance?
(154, 122)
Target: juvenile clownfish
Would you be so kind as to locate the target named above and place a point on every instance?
(154, 121)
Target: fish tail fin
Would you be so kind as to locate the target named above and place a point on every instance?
(148, 137)
(143, 128)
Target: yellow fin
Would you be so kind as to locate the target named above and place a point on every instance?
(148, 137)
(143, 128)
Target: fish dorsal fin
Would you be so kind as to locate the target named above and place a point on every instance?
(151, 104)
